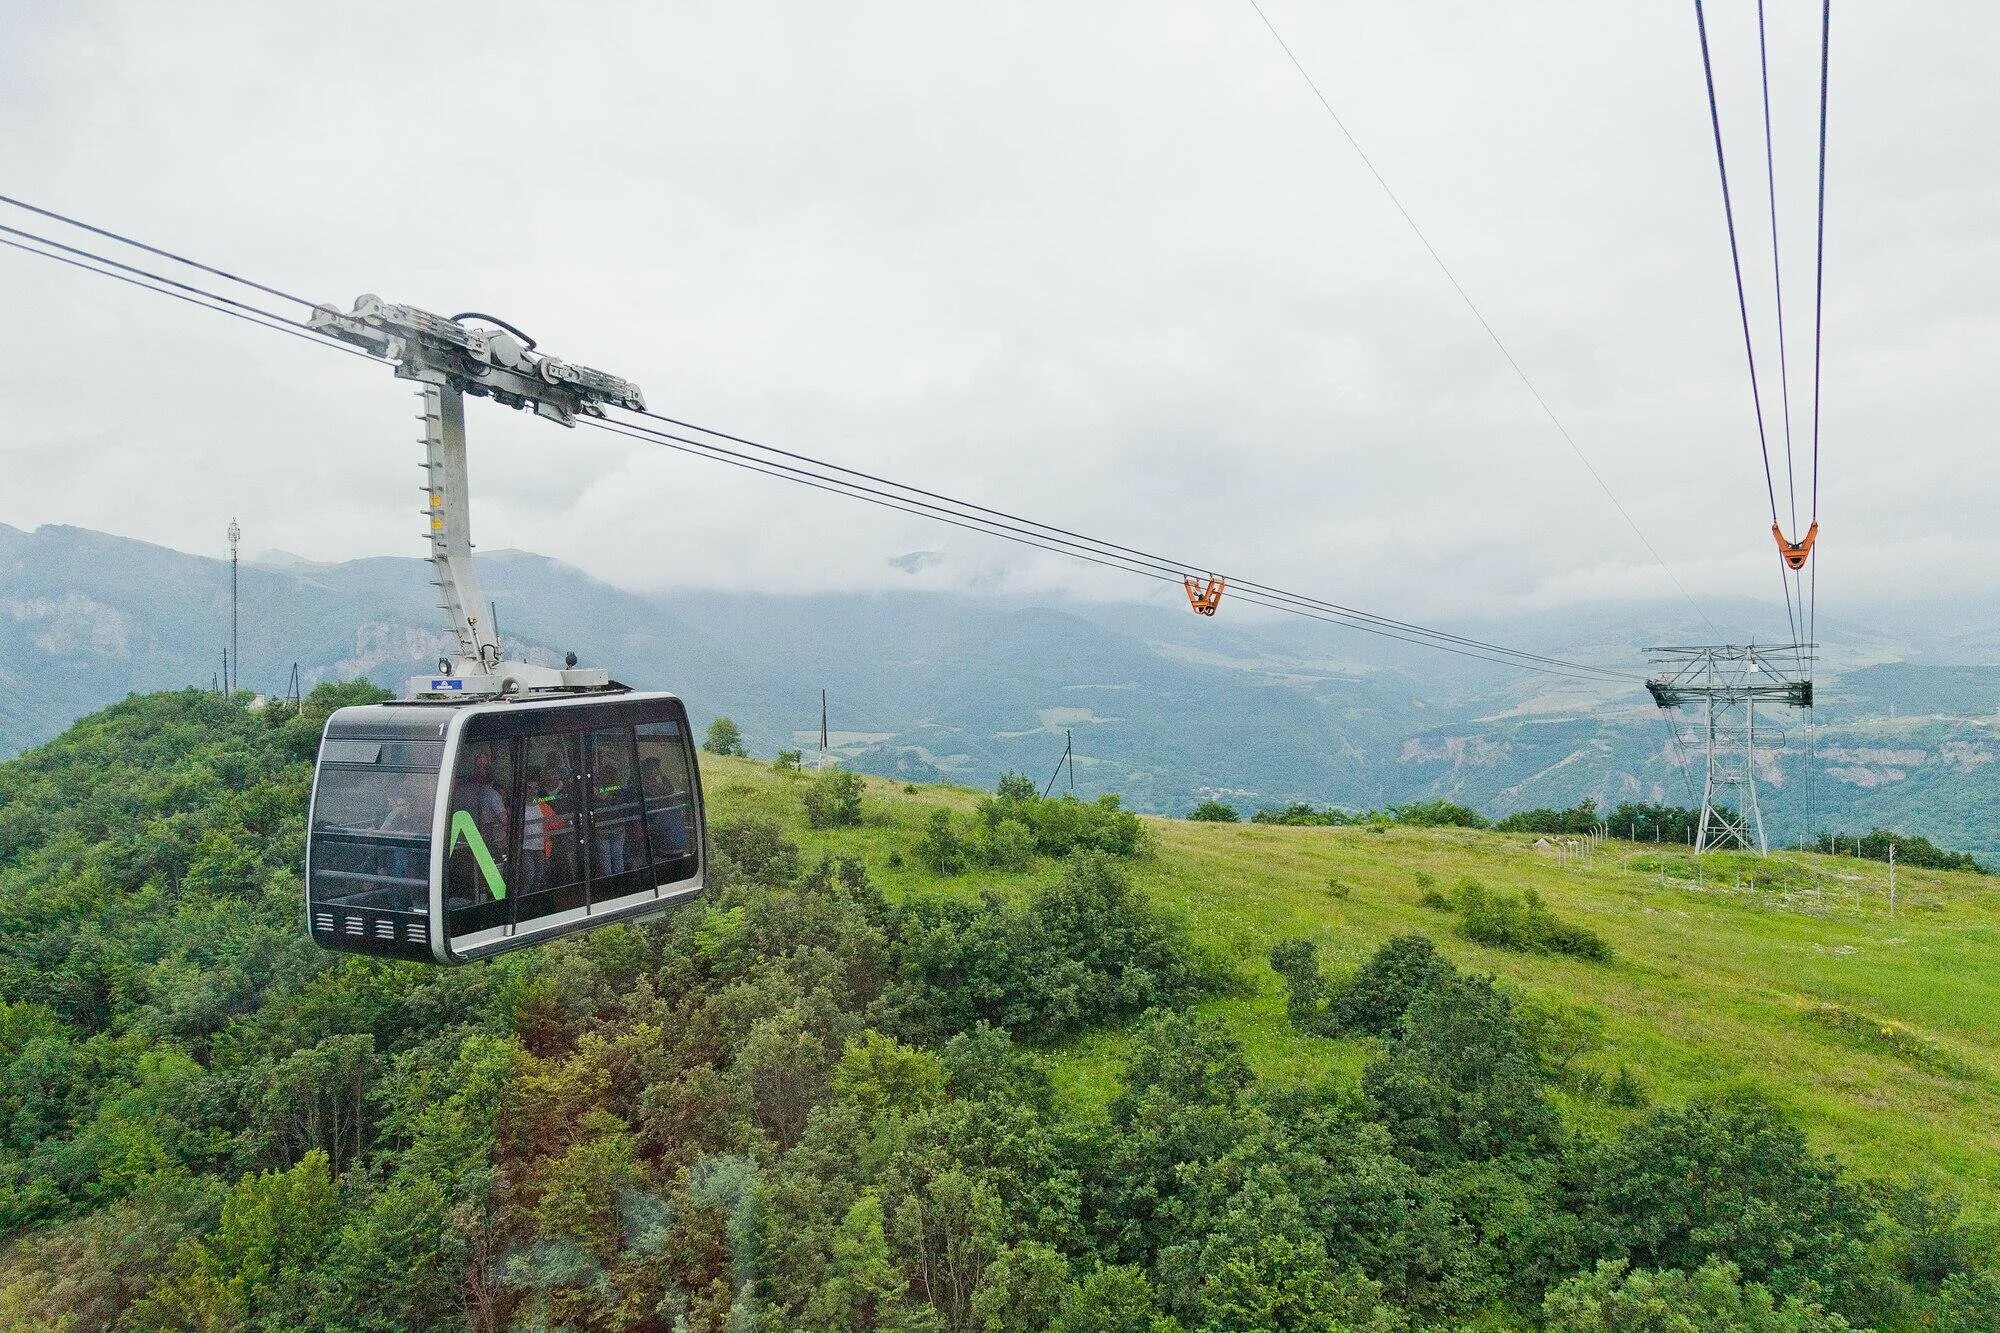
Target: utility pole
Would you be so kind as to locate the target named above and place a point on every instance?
(231, 681)
(1068, 758)
(1892, 879)
(822, 728)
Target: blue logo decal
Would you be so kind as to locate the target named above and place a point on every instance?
(447, 684)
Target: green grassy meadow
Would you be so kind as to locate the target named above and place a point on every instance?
(1788, 975)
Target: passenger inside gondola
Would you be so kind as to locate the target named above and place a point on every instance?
(478, 860)
(666, 823)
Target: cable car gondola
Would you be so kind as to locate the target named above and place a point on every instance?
(446, 832)
(504, 802)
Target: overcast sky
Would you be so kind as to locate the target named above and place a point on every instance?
(1106, 265)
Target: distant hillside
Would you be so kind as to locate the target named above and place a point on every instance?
(1166, 709)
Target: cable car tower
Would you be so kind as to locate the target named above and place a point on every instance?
(501, 803)
(450, 359)
(1728, 680)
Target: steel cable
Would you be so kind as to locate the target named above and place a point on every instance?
(1009, 527)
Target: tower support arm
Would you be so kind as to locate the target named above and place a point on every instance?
(450, 489)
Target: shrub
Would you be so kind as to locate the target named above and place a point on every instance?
(1437, 814)
(1307, 993)
(1062, 825)
(1303, 816)
(1436, 900)
(724, 737)
(1561, 1035)
(1082, 951)
(757, 848)
(1886, 1036)
(834, 799)
(790, 760)
(1214, 812)
(1625, 1089)
(1008, 845)
(1337, 889)
(1521, 923)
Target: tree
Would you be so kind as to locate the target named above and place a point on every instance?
(1640, 822)
(1730, 1179)
(724, 737)
(1375, 998)
(834, 799)
(1459, 1081)
(1437, 814)
(1025, 1288)
(1115, 1299)
(1579, 819)
(1308, 995)
(258, 1263)
(1016, 788)
(952, 1230)
(864, 1288)
(1613, 1300)
(880, 1074)
(941, 848)
(1214, 812)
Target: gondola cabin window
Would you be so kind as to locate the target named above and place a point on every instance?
(369, 882)
(479, 848)
(552, 877)
(668, 789)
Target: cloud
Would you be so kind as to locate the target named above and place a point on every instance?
(1112, 269)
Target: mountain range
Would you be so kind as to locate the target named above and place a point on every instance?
(1165, 708)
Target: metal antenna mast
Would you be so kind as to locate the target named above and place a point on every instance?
(1728, 679)
(450, 359)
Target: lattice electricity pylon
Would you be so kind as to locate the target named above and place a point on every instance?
(1729, 679)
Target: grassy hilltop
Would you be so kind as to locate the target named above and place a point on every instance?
(1788, 973)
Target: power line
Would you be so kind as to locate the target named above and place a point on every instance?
(1477, 314)
(1064, 542)
(993, 528)
(932, 505)
(1777, 268)
(1742, 300)
(108, 234)
(1819, 298)
(1735, 255)
(273, 322)
(1164, 564)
